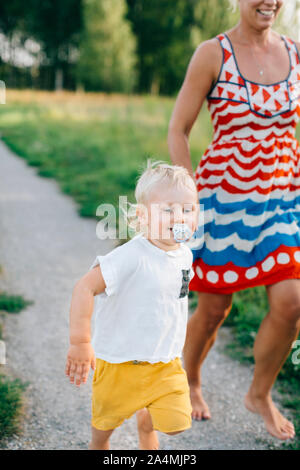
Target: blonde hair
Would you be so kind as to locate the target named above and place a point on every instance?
(157, 173)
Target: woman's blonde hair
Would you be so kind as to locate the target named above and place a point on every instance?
(156, 174)
(233, 4)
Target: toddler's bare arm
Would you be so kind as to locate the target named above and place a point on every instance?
(81, 354)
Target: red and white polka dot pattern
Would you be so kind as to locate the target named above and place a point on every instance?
(230, 278)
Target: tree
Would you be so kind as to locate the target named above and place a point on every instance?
(163, 30)
(10, 16)
(107, 48)
(11, 23)
(212, 18)
(56, 26)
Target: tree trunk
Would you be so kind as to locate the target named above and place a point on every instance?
(155, 86)
(59, 79)
(79, 87)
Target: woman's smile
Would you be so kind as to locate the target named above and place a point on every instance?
(267, 13)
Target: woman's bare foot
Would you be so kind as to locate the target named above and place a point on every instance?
(147, 435)
(276, 424)
(200, 407)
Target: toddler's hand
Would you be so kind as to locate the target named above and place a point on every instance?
(80, 358)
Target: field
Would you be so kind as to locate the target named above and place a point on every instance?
(94, 145)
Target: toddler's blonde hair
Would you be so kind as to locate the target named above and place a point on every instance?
(157, 174)
(161, 173)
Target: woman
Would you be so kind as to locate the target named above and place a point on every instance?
(249, 183)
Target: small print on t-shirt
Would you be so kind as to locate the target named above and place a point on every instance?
(185, 283)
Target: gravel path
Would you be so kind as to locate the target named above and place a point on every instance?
(44, 248)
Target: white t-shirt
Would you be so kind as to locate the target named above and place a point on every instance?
(142, 315)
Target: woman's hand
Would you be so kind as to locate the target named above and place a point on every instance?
(80, 358)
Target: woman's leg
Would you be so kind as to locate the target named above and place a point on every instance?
(202, 330)
(100, 439)
(273, 343)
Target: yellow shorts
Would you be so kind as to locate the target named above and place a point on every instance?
(119, 390)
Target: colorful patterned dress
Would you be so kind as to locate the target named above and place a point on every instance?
(249, 181)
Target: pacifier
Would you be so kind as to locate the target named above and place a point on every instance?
(181, 232)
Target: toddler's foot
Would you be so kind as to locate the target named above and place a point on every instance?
(276, 424)
(147, 436)
(200, 407)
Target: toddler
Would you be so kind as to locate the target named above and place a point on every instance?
(141, 290)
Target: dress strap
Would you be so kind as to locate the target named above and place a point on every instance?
(292, 50)
(294, 60)
(294, 76)
(230, 85)
(230, 71)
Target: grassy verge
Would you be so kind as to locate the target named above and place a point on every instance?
(10, 405)
(12, 303)
(93, 145)
(10, 389)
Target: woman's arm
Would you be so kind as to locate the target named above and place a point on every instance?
(202, 73)
(81, 355)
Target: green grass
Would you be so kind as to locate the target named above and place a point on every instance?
(94, 148)
(248, 310)
(12, 303)
(10, 389)
(10, 405)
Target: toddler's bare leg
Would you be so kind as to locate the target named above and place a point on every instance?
(100, 439)
(147, 435)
